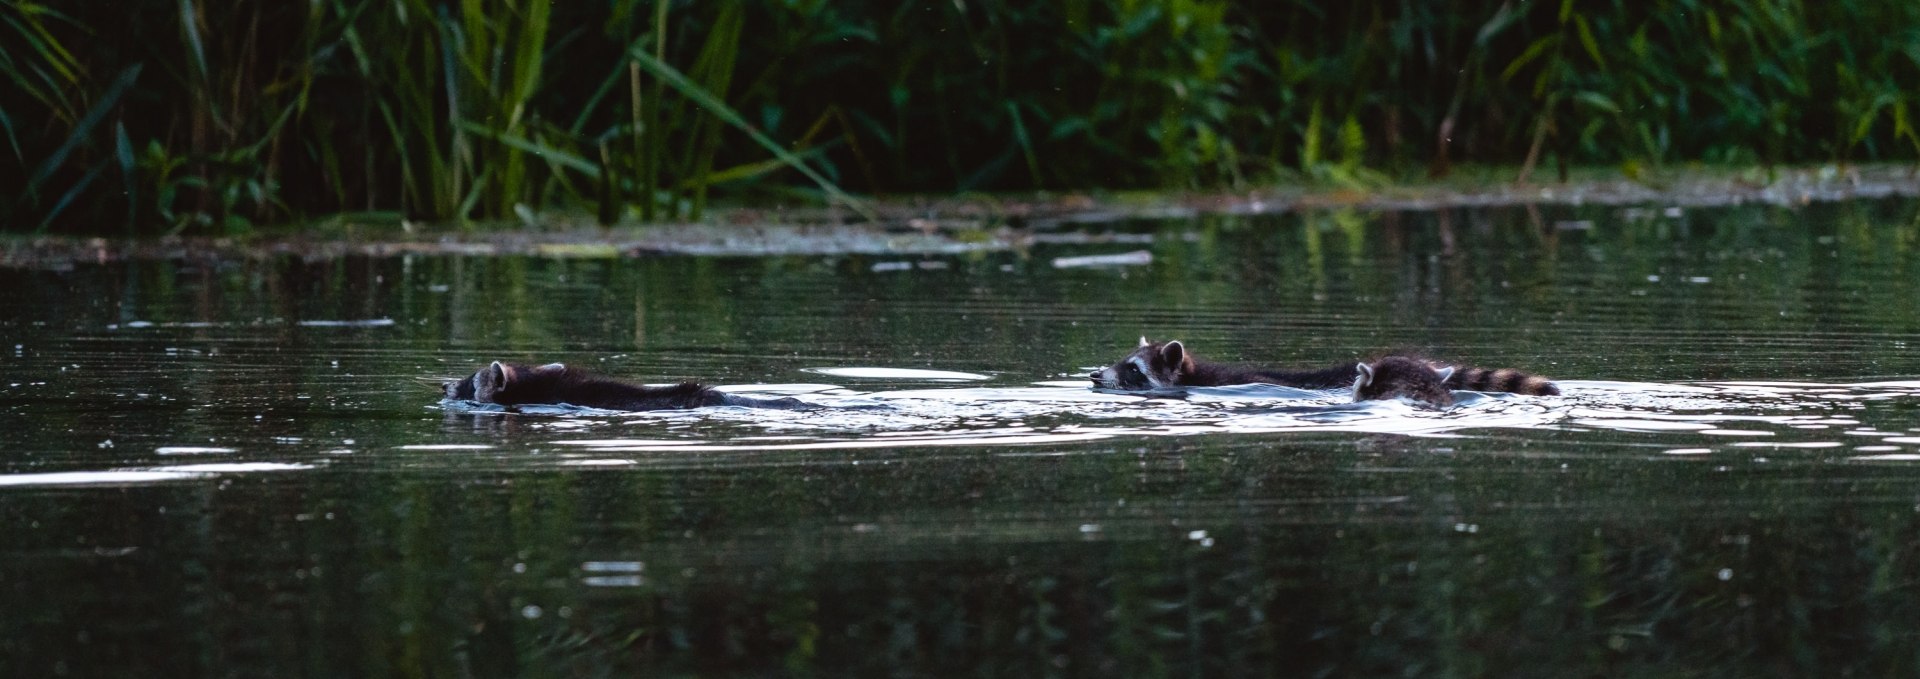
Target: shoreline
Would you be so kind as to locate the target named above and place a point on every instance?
(960, 224)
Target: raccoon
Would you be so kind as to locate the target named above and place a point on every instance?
(512, 384)
(1168, 365)
(1402, 377)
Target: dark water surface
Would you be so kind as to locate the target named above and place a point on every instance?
(232, 468)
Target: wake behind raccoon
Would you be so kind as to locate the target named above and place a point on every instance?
(511, 384)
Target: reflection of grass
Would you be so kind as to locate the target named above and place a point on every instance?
(214, 117)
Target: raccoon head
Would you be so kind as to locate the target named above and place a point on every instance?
(1154, 365)
(497, 383)
(1401, 377)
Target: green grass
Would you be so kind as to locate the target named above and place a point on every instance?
(183, 115)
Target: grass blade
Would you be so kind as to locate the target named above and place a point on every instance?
(84, 128)
(569, 160)
(123, 152)
(68, 197)
(704, 99)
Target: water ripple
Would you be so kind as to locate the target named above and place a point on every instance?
(1701, 418)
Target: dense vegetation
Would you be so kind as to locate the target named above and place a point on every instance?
(211, 117)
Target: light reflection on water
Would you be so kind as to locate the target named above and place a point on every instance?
(910, 418)
(1804, 416)
(121, 477)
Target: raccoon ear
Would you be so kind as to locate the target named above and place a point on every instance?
(1444, 372)
(490, 381)
(502, 374)
(1174, 352)
(1143, 341)
(1366, 375)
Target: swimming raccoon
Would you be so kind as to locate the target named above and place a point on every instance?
(554, 383)
(1168, 365)
(1402, 377)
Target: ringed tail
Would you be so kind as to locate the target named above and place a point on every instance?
(1502, 379)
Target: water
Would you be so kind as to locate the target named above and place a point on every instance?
(233, 468)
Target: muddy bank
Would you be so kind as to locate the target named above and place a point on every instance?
(958, 224)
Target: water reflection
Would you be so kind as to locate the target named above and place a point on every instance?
(231, 468)
(117, 477)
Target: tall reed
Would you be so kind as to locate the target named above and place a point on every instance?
(153, 115)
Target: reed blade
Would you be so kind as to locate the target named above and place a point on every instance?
(713, 105)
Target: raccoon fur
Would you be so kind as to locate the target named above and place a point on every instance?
(1401, 377)
(1168, 365)
(1507, 380)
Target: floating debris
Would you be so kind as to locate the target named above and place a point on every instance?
(192, 450)
(1135, 258)
(366, 323)
(897, 374)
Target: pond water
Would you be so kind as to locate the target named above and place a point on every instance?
(234, 468)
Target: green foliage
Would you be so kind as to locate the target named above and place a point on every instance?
(213, 117)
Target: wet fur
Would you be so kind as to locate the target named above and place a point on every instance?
(1168, 365)
(511, 384)
(1506, 380)
(1401, 377)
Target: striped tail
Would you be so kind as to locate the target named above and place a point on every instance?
(1502, 379)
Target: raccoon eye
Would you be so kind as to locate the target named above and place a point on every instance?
(1133, 369)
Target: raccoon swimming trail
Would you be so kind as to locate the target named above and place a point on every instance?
(511, 384)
